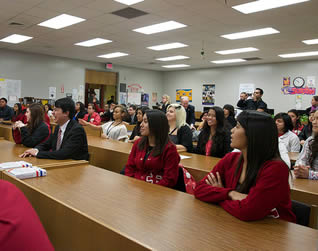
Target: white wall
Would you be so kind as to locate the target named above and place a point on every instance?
(39, 72)
(269, 77)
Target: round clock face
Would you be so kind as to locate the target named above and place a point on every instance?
(299, 82)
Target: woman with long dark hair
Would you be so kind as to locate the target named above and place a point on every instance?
(306, 166)
(306, 132)
(297, 126)
(18, 114)
(229, 114)
(79, 111)
(253, 183)
(140, 112)
(214, 139)
(36, 130)
(153, 157)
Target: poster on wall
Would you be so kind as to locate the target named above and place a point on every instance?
(145, 99)
(183, 92)
(123, 98)
(52, 92)
(81, 94)
(208, 94)
(135, 88)
(298, 85)
(248, 88)
(134, 98)
(75, 94)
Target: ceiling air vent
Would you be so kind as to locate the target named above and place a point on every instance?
(252, 59)
(129, 13)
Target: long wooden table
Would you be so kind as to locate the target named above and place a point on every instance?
(88, 208)
(6, 132)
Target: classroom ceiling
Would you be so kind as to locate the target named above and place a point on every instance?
(206, 21)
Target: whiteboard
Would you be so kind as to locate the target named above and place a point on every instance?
(11, 90)
(134, 98)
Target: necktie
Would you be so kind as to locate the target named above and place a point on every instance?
(59, 139)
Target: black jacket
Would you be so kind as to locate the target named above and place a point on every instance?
(74, 144)
(184, 137)
(80, 115)
(254, 105)
(6, 113)
(190, 115)
(39, 134)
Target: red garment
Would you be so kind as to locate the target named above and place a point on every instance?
(20, 227)
(162, 170)
(95, 118)
(47, 119)
(298, 130)
(97, 108)
(269, 197)
(208, 147)
(16, 133)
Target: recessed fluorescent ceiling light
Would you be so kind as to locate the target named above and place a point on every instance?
(163, 47)
(312, 41)
(262, 5)
(93, 42)
(113, 55)
(234, 51)
(61, 21)
(176, 66)
(172, 58)
(129, 2)
(15, 39)
(251, 33)
(156, 28)
(228, 61)
(300, 54)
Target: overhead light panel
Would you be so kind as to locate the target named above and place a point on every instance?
(176, 66)
(15, 39)
(262, 5)
(228, 61)
(163, 47)
(93, 42)
(113, 55)
(251, 33)
(312, 41)
(234, 51)
(161, 27)
(129, 2)
(299, 54)
(61, 21)
(172, 58)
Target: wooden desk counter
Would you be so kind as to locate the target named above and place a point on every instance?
(305, 190)
(11, 151)
(6, 132)
(88, 208)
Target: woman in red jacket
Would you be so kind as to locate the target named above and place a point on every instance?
(153, 157)
(251, 184)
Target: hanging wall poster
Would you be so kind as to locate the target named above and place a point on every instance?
(248, 88)
(123, 98)
(298, 86)
(208, 94)
(145, 99)
(183, 92)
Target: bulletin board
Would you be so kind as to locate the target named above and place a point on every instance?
(134, 98)
(11, 90)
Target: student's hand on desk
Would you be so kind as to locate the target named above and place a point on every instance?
(30, 152)
(19, 124)
(214, 181)
(301, 171)
(237, 196)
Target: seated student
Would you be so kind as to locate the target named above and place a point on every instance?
(140, 112)
(153, 157)
(306, 132)
(286, 136)
(314, 105)
(35, 131)
(48, 110)
(179, 131)
(6, 111)
(251, 184)
(79, 111)
(229, 115)
(214, 139)
(306, 166)
(297, 126)
(242, 101)
(190, 110)
(69, 139)
(131, 116)
(91, 117)
(20, 226)
(18, 114)
(105, 115)
(203, 118)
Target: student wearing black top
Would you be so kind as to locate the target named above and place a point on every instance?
(69, 139)
(80, 111)
(257, 103)
(131, 116)
(306, 132)
(179, 131)
(140, 112)
(214, 139)
(229, 115)
(6, 112)
(36, 130)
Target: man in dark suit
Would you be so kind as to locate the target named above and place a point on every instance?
(257, 103)
(132, 118)
(190, 111)
(69, 139)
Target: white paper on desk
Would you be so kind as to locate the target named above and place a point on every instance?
(184, 157)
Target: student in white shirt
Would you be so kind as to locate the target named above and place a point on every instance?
(285, 134)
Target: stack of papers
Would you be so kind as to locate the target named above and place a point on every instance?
(27, 172)
(15, 164)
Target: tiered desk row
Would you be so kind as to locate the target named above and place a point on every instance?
(84, 207)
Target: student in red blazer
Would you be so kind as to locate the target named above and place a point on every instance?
(91, 117)
(153, 157)
(252, 184)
